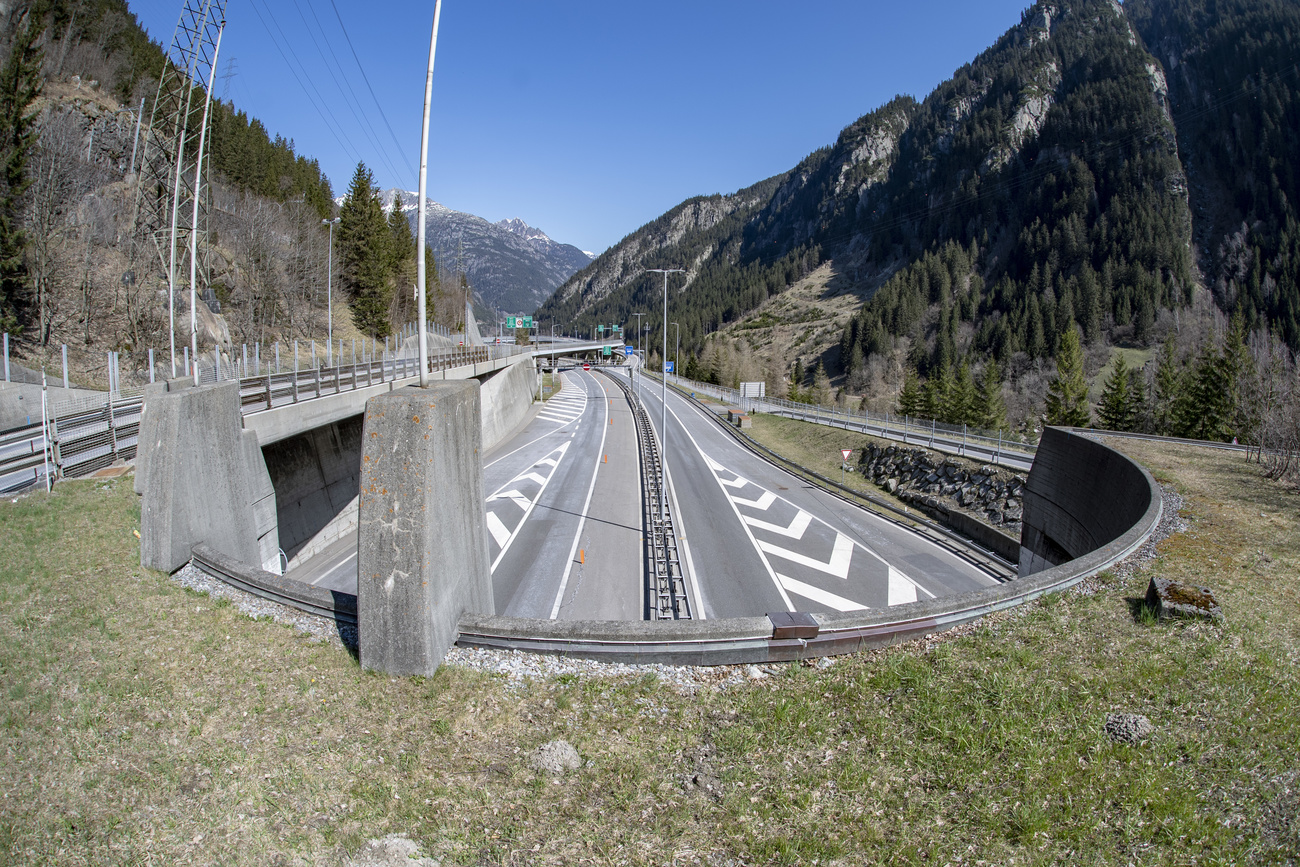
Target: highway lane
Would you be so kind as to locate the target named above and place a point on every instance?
(762, 540)
(564, 529)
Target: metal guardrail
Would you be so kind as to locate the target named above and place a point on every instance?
(88, 435)
(959, 439)
(667, 590)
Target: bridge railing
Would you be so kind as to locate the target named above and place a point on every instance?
(93, 433)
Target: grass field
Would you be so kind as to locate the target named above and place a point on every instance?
(143, 723)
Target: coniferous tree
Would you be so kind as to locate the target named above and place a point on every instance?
(821, 388)
(1067, 394)
(19, 85)
(1139, 408)
(910, 399)
(1114, 409)
(364, 242)
(965, 398)
(1169, 382)
(993, 409)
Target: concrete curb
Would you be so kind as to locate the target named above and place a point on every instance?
(340, 607)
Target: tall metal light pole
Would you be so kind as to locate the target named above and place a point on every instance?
(420, 220)
(663, 372)
(677, 354)
(329, 291)
(638, 339)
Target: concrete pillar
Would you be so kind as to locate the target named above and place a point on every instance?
(422, 553)
(204, 480)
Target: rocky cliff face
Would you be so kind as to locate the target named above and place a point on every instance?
(511, 266)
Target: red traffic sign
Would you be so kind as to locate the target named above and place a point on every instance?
(586, 367)
(846, 453)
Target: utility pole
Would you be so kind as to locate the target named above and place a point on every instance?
(663, 373)
(329, 290)
(677, 354)
(420, 277)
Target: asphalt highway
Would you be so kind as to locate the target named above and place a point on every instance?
(759, 540)
(563, 510)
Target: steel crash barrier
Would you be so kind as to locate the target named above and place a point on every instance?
(86, 436)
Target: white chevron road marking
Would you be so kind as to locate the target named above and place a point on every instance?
(513, 496)
(794, 531)
(497, 529)
(839, 562)
(821, 597)
(765, 500)
(901, 588)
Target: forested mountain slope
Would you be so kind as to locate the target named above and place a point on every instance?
(1044, 187)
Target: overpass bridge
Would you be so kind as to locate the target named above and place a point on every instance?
(260, 467)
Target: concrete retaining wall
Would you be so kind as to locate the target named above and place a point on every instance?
(316, 476)
(1080, 497)
(506, 397)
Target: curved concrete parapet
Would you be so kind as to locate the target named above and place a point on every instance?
(1087, 500)
(1085, 496)
(341, 607)
(1081, 496)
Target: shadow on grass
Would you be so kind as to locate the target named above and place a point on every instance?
(1141, 611)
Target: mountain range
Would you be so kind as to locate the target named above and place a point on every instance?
(1098, 166)
(512, 266)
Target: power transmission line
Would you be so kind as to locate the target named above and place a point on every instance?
(368, 87)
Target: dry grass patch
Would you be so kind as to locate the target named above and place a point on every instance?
(143, 723)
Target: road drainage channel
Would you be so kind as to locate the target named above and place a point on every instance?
(666, 583)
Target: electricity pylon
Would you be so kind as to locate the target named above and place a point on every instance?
(172, 197)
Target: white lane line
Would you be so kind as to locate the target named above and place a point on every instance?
(903, 589)
(497, 529)
(563, 450)
(526, 445)
(763, 503)
(340, 565)
(697, 593)
(894, 573)
(794, 531)
(582, 520)
(821, 597)
(839, 562)
(785, 597)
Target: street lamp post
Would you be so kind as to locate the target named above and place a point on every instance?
(663, 372)
(677, 354)
(638, 339)
(329, 290)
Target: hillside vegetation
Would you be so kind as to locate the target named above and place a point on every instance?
(1123, 172)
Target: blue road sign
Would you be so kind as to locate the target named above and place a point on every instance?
(627, 350)
(668, 367)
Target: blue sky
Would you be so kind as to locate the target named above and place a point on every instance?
(585, 119)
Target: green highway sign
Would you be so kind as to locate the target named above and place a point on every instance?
(519, 322)
(608, 351)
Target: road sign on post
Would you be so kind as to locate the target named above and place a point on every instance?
(668, 367)
(846, 453)
(628, 350)
(607, 351)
